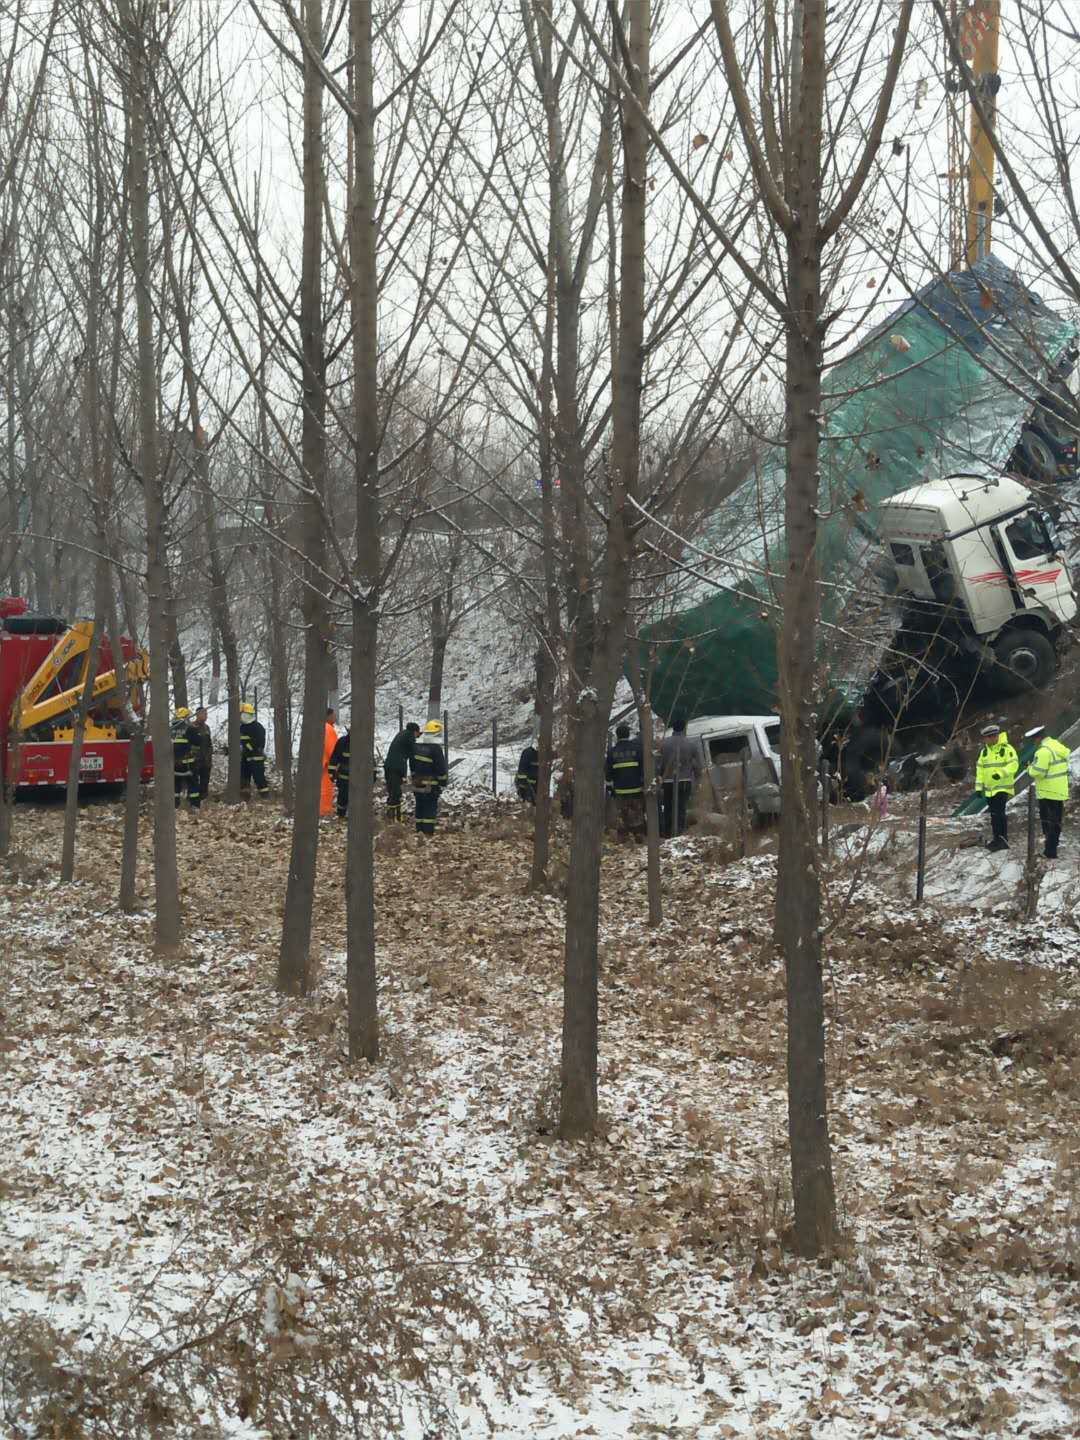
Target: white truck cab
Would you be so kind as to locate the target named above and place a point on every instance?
(980, 547)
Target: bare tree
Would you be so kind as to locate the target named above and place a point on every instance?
(140, 37)
(788, 152)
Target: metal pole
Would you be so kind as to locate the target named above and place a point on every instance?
(200, 693)
(256, 702)
(494, 755)
(400, 716)
(1030, 876)
(744, 809)
(446, 733)
(824, 773)
(920, 869)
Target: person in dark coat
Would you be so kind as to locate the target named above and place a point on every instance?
(252, 750)
(429, 776)
(528, 774)
(624, 770)
(205, 759)
(398, 761)
(338, 769)
(680, 770)
(185, 747)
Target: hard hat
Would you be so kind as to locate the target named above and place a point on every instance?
(1034, 733)
(433, 727)
(994, 729)
(182, 712)
(246, 708)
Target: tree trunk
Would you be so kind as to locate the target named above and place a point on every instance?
(545, 704)
(215, 662)
(166, 885)
(363, 233)
(648, 757)
(220, 615)
(578, 1107)
(798, 890)
(177, 662)
(292, 975)
(547, 663)
(439, 639)
(71, 798)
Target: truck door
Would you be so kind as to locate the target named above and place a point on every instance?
(1041, 575)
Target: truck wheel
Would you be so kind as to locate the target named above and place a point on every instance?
(861, 759)
(1023, 660)
(1034, 457)
(1054, 430)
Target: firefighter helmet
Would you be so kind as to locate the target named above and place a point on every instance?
(433, 727)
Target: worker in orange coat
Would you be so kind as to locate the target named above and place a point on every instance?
(330, 739)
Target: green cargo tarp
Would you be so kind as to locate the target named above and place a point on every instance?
(945, 383)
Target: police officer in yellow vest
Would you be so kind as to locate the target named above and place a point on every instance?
(995, 777)
(1049, 769)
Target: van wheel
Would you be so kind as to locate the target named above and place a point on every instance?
(861, 759)
(1023, 660)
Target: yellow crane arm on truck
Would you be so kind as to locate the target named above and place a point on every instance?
(31, 709)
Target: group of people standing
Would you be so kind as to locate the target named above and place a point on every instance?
(995, 779)
(424, 759)
(193, 754)
(678, 768)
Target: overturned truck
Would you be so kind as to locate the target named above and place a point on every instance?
(969, 377)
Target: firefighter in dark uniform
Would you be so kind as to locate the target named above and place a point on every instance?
(528, 774)
(204, 764)
(398, 761)
(624, 771)
(252, 750)
(338, 769)
(186, 747)
(429, 776)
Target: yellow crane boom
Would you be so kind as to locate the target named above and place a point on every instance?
(980, 26)
(31, 709)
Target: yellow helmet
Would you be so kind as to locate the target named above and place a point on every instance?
(433, 727)
(182, 712)
(246, 708)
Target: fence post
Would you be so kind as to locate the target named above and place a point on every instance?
(494, 755)
(200, 693)
(1030, 876)
(446, 734)
(823, 773)
(744, 807)
(920, 868)
(400, 716)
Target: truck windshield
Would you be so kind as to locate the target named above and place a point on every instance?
(1029, 536)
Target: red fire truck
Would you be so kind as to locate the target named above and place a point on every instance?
(43, 671)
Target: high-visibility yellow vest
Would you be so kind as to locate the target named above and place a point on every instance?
(995, 774)
(1050, 770)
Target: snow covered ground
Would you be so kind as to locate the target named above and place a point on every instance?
(212, 1226)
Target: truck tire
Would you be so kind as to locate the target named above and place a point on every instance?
(1035, 458)
(861, 759)
(1023, 660)
(1050, 427)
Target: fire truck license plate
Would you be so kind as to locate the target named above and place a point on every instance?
(92, 762)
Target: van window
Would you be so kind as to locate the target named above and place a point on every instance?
(902, 554)
(1029, 536)
(772, 734)
(723, 749)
